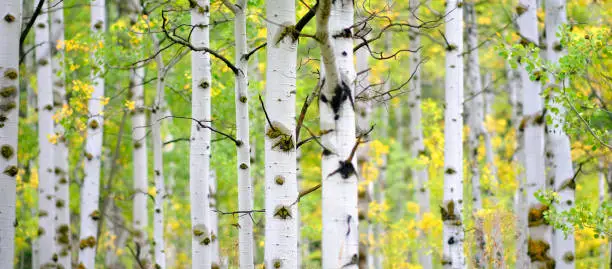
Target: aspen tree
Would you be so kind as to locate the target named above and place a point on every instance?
(563, 250)
(90, 191)
(245, 185)
(419, 175)
(46, 157)
(62, 193)
(10, 30)
(520, 200)
(337, 122)
(140, 164)
(158, 163)
(200, 146)
(532, 126)
(452, 207)
(475, 106)
(281, 189)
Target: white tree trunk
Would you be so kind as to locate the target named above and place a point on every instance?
(90, 191)
(214, 221)
(10, 29)
(46, 156)
(452, 208)
(520, 199)
(245, 186)
(62, 193)
(337, 118)
(280, 152)
(533, 135)
(140, 212)
(420, 175)
(199, 160)
(563, 247)
(475, 106)
(158, 163)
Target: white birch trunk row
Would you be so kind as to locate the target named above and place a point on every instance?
(90, 191)
(200, 146)
(140, 209)
(158, 163)
(10, 30)
(245, 186)
(452, 207)
(281, 189)
(62, 193)
(419, 175)
(46, 156)
(539, 241)
(563, 250)
(337, 118)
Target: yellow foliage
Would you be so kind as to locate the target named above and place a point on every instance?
(428, 222)
(104, 100)
(52, 138)
(130, 105)
(152, 191)
(413, 207)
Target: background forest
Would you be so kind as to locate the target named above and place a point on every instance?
(305, 134)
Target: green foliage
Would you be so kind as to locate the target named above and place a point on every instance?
(580, 216)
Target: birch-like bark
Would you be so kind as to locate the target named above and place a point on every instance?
(563, 250)
(140, 212)
(10, 30)
(280, 152)
(62, 191)
(90, 191)
(337, 119)
(417, 148)
(46, 155)
(539, 241)
(520, 199)
(496, 256)
(158, 163)
(199, 157)
(452, 208)
(379, 191)
(363, 110)
(475, 107)
(214, 221)
(245, 186)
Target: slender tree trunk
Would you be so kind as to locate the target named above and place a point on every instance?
(245, 186)
(539, 232)
(214, 221)
(417, 148)
(563, 250)
(520, 199)
(452, 208)
(379, 191)
(199, 160)
(140, 212)
(496, 257)
(10, 27)
(158, 163)
(280, 155)
(337, 119)
(46, 156)
(90, 191)
(62, 194)
(475, 107)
